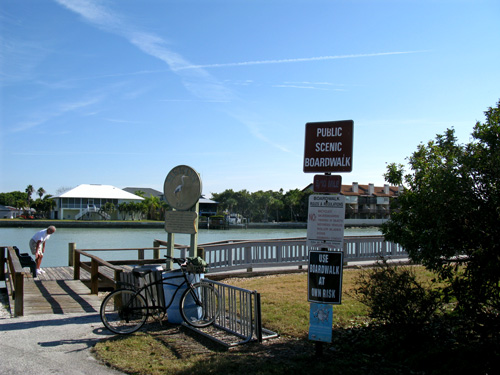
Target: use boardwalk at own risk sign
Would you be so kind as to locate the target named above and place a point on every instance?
(324, 282)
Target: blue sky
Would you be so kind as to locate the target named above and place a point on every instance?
(119, 92)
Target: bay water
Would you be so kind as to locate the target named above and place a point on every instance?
(56, 249)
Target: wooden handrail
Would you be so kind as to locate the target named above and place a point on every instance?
(16, 280)
(114, 265)
(3, 261)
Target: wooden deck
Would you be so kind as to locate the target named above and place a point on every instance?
(55, 292)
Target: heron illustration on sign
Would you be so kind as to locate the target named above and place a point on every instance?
(178, 189)
(182, 187)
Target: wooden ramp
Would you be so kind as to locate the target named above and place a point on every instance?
(55, 292)
(59, 297)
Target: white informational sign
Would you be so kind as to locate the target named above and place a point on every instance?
(325, 223)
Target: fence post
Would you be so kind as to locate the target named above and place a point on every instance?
(170, 251)
(200, 252)
(279, 253)
(248, 258)
(71, 250)
(76, 265)
(19, 293)
(156, 251)
(140, 254)
(2, 263)
(117, 276)
(94, 276)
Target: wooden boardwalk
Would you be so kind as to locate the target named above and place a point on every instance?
(55, 292)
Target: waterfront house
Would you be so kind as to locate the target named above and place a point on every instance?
(87, 201)
(208, 207)
(367, 201)
(8, 212)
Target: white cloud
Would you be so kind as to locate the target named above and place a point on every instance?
(296, 60)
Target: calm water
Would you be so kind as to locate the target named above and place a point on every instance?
(56, 250)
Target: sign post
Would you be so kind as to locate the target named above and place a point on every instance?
(328, 148)
(182, 190)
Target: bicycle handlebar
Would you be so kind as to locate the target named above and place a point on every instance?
(179, 261)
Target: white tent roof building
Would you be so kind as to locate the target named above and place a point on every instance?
(89, 199)
(99, 192)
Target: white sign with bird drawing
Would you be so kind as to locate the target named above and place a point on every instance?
(182, 187)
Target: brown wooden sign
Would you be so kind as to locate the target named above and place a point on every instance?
(328, 146)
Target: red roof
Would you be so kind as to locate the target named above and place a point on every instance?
(378, 191)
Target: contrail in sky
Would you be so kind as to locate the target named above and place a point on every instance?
(305, 59)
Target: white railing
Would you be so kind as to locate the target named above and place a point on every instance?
(239, 254)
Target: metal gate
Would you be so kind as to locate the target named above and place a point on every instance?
(239, 318)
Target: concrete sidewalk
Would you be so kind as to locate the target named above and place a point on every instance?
(51, 344)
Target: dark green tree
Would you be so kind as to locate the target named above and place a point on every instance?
(29, 190)
(11, 199)
(448, 216)
(41, 191)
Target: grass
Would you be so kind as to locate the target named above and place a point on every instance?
(285, 308)
(357, 346)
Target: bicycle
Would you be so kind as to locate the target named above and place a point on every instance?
(126, 310)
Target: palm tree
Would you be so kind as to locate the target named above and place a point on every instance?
(41, 191)
(153, 205)
(29, 190)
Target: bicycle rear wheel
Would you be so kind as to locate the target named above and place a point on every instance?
(199, 306)
(123, 311)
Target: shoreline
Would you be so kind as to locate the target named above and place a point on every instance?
(16, 223)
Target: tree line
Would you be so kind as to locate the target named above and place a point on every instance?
(258, 206)
(43, 205)
(265, 205)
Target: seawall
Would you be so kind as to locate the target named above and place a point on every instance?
(16, 223)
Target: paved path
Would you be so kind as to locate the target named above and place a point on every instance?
(51, 344)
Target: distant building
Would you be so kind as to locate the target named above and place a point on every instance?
(8, 212)
(87, 200)
(148, 192)
(208, 207)
(367, 201)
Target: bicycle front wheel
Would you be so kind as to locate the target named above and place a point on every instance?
(199, 305)
(123, 311)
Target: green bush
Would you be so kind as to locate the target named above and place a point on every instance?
(394, 296)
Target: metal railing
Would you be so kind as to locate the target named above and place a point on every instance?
(237, 254)
(240, 254)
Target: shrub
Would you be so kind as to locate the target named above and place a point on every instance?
(394, 296)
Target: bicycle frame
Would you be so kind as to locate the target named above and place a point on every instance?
(148, 289)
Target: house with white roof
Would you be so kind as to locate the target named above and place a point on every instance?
(89, 199)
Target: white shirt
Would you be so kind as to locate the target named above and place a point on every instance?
(41, 236)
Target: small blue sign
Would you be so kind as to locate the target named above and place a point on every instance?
(320, 322)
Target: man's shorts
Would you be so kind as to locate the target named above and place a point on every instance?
(33, 246)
